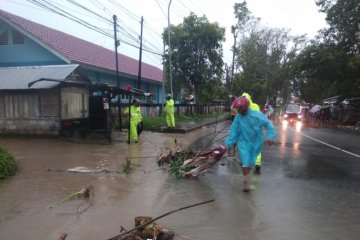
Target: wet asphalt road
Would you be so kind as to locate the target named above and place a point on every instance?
(308, 189)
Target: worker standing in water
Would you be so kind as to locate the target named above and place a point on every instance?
(135, 120)
(169, 111)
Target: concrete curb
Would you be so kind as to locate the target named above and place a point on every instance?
(355, 128)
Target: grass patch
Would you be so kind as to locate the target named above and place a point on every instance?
(151, 122)
(8, 166)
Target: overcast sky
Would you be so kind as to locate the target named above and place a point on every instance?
(299, 16)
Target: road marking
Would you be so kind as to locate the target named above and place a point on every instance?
(329, 145)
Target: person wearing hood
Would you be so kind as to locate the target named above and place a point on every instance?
(169, 111)
(246, 133)
(255, 107)
(135, 121)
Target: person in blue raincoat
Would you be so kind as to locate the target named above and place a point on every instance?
(246, 133)
(256, 107)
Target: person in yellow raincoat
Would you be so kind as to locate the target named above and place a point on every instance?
(135, 120)
(169, 111)
(254, 106)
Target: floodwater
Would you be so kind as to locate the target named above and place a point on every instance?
(285, 204)
(31, 201)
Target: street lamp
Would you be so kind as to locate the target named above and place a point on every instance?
(233, 31)
(169, 30)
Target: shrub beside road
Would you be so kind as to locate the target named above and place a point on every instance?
(8, 166)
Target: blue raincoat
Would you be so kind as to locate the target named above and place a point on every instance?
(246, 132)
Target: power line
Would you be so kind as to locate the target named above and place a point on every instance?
(68, 16)
(162, 10)
(52, 8)
(135, 18)
(85, 8)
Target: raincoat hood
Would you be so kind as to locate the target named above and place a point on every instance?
(245, 94)
(253, 105)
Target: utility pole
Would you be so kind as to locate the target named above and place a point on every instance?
(117, 43)
(140, 55)
(169, 30)
(163, 85)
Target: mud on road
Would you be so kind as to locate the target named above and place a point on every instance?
(31, 206)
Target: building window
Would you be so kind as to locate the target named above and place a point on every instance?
(17, 37)
(4, 37)
(124, 96)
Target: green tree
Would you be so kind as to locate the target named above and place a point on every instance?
(243, 17)
(343, 19)
(196, 56)
(263, 61)
(343, 36)
(331, 65)
(318, 70)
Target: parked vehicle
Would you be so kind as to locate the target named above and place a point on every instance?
(350, 111)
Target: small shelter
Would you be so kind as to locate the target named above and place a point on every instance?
(37, 100)
(55, 100)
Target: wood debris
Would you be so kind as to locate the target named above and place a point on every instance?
(85, 193)
(146, 228)
(185, 163)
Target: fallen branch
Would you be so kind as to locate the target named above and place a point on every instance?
(153, 220)
(63, 236)
(126, 167)
(86, 192)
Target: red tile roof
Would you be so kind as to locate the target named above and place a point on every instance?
(83, 52)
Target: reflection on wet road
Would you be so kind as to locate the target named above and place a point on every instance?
(307, 190)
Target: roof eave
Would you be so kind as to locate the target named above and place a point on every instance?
(35, 39)
(109, 71)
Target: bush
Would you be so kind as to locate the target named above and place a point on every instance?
(8, 166)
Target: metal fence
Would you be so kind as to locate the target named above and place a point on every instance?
(150, 109)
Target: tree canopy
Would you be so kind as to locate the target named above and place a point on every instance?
(268, 63)
(196, 55)
(263, 58)
(330, 65)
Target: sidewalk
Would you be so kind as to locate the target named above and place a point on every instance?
(355, 128)
(184, 127)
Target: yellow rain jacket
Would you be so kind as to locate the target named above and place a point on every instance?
(170, 110)
(135, 119)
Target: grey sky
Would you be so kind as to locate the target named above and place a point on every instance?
(300, 16)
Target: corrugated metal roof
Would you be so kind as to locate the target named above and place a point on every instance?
(16, 78)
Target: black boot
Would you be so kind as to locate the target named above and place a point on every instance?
(257, 169)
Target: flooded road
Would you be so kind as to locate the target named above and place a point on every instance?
(302, 193)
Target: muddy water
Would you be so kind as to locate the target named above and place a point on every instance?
(283, 205)
(31, 206)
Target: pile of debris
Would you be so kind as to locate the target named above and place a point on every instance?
(147, 229)
(185, 163)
